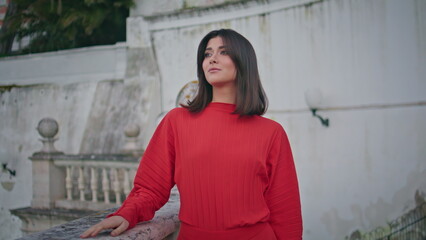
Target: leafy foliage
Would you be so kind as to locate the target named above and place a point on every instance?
(62, 24)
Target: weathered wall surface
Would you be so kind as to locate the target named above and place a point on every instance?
(367, 59)
(93, 93)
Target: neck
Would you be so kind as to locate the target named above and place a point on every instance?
(224, 94)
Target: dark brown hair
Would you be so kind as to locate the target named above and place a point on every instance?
(251, 98)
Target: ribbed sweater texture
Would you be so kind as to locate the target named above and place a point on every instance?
(232, 173)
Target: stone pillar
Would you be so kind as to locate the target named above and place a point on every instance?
(138, 35)
(48, 179)
(142, 72)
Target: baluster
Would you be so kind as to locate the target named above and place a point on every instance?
(105, 185)
(132, 177)
(116, 186)
(68, 182)
(94, 184)
(126, 182)
(81, 183)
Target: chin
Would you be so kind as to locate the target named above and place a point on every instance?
(219, 82)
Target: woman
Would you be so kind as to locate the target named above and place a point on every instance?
(234, 169)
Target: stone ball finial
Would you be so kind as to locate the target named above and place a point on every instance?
(131, 145)
(132, 130)
(48, 127)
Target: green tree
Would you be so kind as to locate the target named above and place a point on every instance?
(62, 24)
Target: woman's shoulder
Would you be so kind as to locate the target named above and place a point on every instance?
(268, 122)
(270, 125)
(176, 113)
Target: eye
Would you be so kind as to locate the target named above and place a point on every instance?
(207, 54)
(224, 52)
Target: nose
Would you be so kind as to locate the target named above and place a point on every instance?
(213, 59)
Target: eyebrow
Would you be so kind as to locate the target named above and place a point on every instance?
(211, 49)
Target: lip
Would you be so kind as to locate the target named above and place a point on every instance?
(214, 69)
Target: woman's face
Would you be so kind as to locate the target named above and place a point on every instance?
(218, 66)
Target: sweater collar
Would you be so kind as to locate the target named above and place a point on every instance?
(224, 107)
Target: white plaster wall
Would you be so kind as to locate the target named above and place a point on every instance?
(361, 172)
(367, 58)
(10, 225)
(88, 64)
(352, 50)
(148, 8)
(162, 7)
(60, 85)
(21, 109)
(93, 93)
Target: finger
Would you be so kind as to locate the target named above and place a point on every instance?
(123, 227)
(98, 229)
(87, 233)
(93, 231)
(104, 224)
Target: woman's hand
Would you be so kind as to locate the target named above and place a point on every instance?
(117, 222)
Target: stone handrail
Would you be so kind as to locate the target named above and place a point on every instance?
(165, 225)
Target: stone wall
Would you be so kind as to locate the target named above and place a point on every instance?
(93, 93)
(365, 57)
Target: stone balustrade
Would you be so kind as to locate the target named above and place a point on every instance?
(71, 186)
(67, 187)
(95, 182)
(85, 182)
(82, 181)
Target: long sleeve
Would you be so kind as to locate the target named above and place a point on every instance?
(154, 177)
(282, 195)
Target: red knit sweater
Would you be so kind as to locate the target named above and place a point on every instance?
(233, 174)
